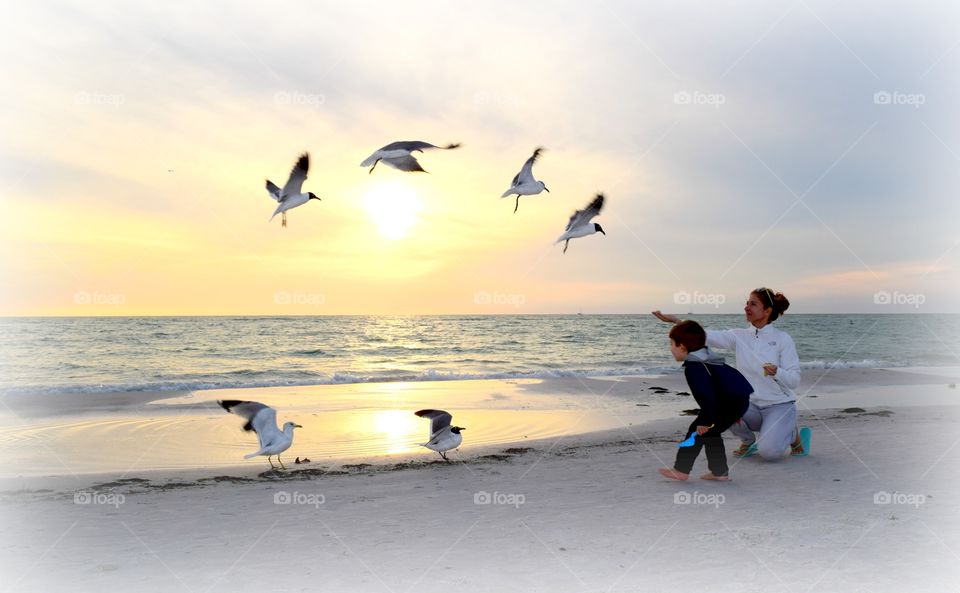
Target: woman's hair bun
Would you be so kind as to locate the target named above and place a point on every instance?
(774, 300)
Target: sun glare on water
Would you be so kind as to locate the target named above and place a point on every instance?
(393, 208)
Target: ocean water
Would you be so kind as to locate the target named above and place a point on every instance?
(84, 354)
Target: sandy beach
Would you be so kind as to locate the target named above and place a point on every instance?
(581, 508)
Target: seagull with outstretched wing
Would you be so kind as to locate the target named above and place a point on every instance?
(262, 420)
(523, 183)
(399, 155)
(291, 195)
(443, 436)
(579, 224)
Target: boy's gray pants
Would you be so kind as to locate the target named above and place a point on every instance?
(777, 425)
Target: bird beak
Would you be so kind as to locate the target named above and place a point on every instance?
(297, 426)
(545, 187)
(603, 231)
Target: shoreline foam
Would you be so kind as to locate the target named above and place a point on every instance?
(427, 376)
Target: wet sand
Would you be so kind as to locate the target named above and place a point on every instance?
(127, 434)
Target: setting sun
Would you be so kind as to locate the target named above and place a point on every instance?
(393, 208)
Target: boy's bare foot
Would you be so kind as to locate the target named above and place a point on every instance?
(710, 476)
(673, 474)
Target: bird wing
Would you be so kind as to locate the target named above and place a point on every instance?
(439, 420)
(273, 190)
(297, 176)
(436, 438)
(265, 425)
(411, 145)
(404, 163)
(408, 145)
(261, 418)
(526, 173)
(581, 217)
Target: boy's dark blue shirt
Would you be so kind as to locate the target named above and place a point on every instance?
(720, 390)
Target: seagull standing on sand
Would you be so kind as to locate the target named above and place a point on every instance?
(580, 225)
(523, 183)
(263, 420)
(443, 437)
(399, 155)
(290, 196)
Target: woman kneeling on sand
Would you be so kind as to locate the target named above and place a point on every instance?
(768, 359)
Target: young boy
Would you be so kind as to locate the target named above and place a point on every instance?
(722, 392)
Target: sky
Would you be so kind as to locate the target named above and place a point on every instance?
(805, 146)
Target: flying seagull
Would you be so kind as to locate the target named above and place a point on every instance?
(443, 437)
(523, 183)
(580, 225)
(290, 196)
(399, 155)
(262, 420)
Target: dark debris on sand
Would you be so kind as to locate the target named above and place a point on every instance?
(862, 412)
(233, 479)
(517, 450)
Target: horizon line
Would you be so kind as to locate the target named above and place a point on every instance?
(266, 315)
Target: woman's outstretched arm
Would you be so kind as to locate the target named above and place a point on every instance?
(666, 317)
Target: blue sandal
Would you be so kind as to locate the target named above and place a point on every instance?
(803, 449)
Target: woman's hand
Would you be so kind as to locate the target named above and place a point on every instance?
(769, 369)
(667, 318)
(702, 429)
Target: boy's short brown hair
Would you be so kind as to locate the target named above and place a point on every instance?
(690, 334)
